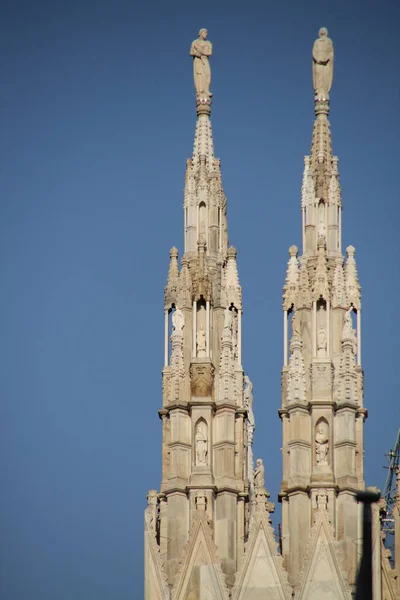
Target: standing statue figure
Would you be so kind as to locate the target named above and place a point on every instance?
(201, 50)
(322, 70)
(178, 320)
(201, 342)
(248, 399)
(259, 477)
(322, 444)
(321, 341)
(348, 331)
(322, 228)
(228, 318)
(201, 448)
(295, 325)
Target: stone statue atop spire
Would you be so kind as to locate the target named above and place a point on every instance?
(322, 68)
(201, 49)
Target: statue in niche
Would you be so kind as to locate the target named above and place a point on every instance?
(201, 50)
(322, 443)
(201, 445)
(228, 317)
(259, 477)
(322, 70)
(348, 331)
(295, 325)
(178, 320)
(201, 342)
(321, 341)
(248, 399)
(322, 228)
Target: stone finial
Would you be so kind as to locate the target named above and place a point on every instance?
(321, 288)
(232, 285)
(291, 286)
(304, 295)
(338, 285)
(232, 252)
(307, 186)
(185, 286)
(171, 289)
(200, 50)
(296, 386)
(353, 288)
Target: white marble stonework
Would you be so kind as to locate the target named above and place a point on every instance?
(208, 533)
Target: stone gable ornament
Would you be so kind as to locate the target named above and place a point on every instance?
(322, 67)
(201, 50)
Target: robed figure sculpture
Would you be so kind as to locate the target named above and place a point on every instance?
(322, 71)
(201, 49)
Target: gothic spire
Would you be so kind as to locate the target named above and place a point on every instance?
(205, 202)
(321, 195)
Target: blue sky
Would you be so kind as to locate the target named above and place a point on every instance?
(97, 117)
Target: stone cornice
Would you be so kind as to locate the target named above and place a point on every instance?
(299, 442)
(298, 407)
(346, 442)
(346, 405)
(321, 403)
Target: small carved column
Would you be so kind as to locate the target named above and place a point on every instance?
(240, 526)
(208, 349)
(314, 327)
(328, 327)
(359, 336)
(166, 337)
(396, 514)
(239, 338)
(194, 328)
(239, 445)
(164, 447)
(163, 526)
(285, 338)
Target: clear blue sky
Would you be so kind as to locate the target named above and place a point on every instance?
(97, 118)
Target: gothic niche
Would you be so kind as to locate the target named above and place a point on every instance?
(322, 442)
(201, 443)
(202, 225)
(231, 327)
(321, 328)
(321, 220)
(201, 339)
